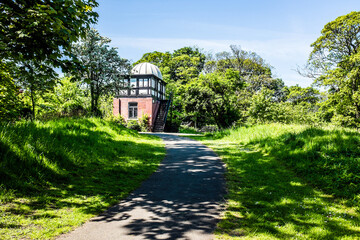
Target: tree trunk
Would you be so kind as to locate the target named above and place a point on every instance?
(92, 96)
(96, 111)
(32, 104)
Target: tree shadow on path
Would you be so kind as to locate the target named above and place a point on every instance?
(180, 201)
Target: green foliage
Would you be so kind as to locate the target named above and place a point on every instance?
(289, 181)
(117, 119)
(261, 107)
(324, 156)
(102, 69)
(58, 174)
(188, 129)
(336, 60)
(297, 94)
(161, 60)
(214, 89)
(66, 99)
(133, 125)
(209, 128)
(36, 78)
(36, 36)
(212, 96)
(144, 123)
(9, 95)
(43, 30)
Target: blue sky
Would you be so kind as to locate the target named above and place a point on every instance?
(279, 31)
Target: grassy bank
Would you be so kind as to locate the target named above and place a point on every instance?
(290, 182)
(56, 175)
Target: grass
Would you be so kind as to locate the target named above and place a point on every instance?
(187, 129)
(289, 182)
(56, 175)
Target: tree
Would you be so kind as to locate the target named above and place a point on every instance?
(247, 63)
(161, 60)
(299, 95)
(180, 66)
(261, 107)
(36, 78)
(43, 29)
(157, 58)
(66, 99)
(9, 95)
(36, 35)
(186, 63)
(212, 97)
(335, 64)
(102, 69)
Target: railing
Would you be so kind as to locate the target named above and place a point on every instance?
(168, 106)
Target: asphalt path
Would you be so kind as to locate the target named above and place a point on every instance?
(181, 200)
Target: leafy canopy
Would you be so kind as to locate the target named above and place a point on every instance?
(103, 70)
(336, 58)
(43, 29)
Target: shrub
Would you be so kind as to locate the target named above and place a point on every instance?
(144, 123)
(209, 128)
(188, 129)
(133, 125)
(117, 119)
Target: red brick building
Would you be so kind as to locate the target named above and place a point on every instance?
(143, 93)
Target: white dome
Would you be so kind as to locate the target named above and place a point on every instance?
(146, 68)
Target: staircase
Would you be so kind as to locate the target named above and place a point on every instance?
(160, 119)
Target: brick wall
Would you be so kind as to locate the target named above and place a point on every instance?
(145, 106)
(116, 106)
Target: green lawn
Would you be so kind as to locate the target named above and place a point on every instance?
(56, 175)
(289, 182)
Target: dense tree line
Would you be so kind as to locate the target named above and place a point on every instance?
(237, 86)
(229, 88)
(224, 89)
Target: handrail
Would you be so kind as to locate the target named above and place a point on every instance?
(168, 106)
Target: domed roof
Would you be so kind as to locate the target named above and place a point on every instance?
(146, 68)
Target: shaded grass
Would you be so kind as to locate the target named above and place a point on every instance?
(289, 182)
(55, 175)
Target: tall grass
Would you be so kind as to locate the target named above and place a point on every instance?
(290, 182)
(55, 175)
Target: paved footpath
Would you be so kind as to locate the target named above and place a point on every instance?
(181, 200)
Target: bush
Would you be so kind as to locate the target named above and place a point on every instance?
(209, 128)
(144, 123)
(188, 129)
(117, 119)
(133, 125)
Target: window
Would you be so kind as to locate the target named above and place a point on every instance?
(146, 82)
(159, 86)
(133, 92)
(133, 82)
(123, 92)
(141, 83)
(153, 83)
(164, 89)
(143, 91)
(125, 83)
(133, 110)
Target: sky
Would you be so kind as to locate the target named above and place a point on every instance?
(280, 31)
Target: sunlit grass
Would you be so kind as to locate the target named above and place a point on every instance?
(56, 175)
(283, 184)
